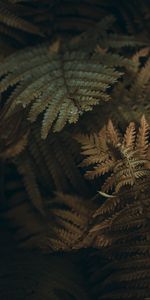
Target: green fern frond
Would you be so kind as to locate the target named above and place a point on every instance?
(67, 85)
(59, 83)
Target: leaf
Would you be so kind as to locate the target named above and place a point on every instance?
(142, 137)
(62, 87)
(113, 134)
(129, 137)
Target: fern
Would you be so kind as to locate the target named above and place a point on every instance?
(49, 206)
(72, 222)
(132, 93)
(108, 152)
(67, 86)
(56, 159)
(121, 224)
(126, 248)
(58, 223)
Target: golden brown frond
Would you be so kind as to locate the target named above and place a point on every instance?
(143, 137)
(121, 224)
(112, 134)
(129, 137)
(124, 157)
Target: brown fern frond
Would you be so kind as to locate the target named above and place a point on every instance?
(58, 157)
(71, 222)
(122, 156)
(121, 224)
(129, 138)
(100, 169)
(58, 223)
(112, 134)
(143, 136)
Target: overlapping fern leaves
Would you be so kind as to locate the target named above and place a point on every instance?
(54, 223)
(121, 223)
(49, 207)
(53, 162)
(132, 91)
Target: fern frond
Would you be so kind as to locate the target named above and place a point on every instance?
(103, 38)
(8, 18)
(122, 222)
(129, 137)
(112, 133)
(143, 135)
(59, 157)
(63, 84)
(64, 89)
(122, 156)
(61, 224)
(72, 221)
(100, 169)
